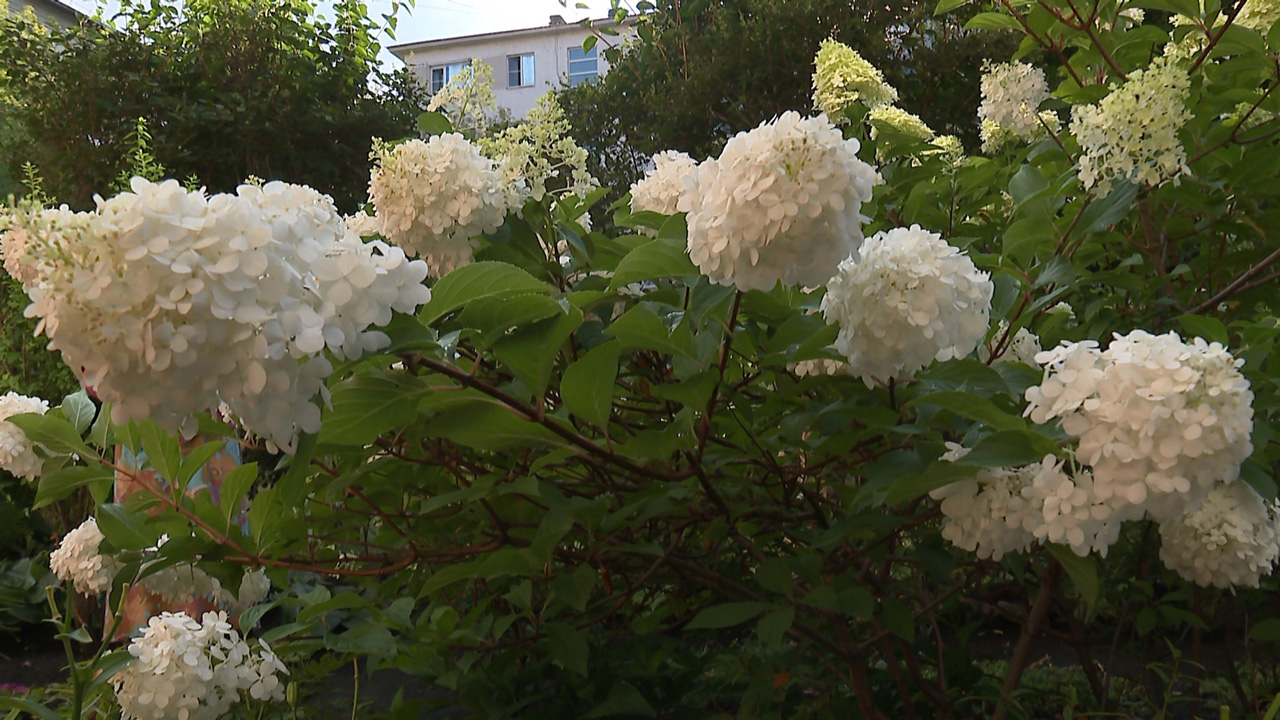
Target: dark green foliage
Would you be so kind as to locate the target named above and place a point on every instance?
(228, 89)
(700, 72)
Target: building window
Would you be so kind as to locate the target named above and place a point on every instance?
(582, 65)
(442, 74)
(520, 70)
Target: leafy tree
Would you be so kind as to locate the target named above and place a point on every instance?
(229, 90)
(699, 72)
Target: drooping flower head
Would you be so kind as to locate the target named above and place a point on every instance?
(1132, 133)
(782, 202)
(78, 561)
(168, 303)
(901, 121)
(996, 137)
(541, 154)
(434, 198)
(1158, 420)
(17, 456)
(909, 300)
(659, 190)
(1232, 539)
(188, 670)
(842, 77)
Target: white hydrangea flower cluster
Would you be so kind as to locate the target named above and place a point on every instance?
(13, 250)
(167, 302)
(996, 137)
(539, 151)
(782, 202)
(659, 191)
(189, 670)
(17, 456)
(1002, 510)
(1011, 97)
(363, 224)
(842, 77)
(911, 299)
(1159, 421)
(1233, 539)
(984, 514)
(1022, 347)
(433, 198)
(1132, 133)
(78, 561)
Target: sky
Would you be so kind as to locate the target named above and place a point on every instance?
(434, 19)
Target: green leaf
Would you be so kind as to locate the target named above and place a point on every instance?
(434, 123)
(774, 626)
(53, 432)
(367, 638)
(495, 316)
(58, 485)
(1258, 479)
(1102, 214)
(365, 406)
(1266, 631)
(653, 261)
(195, 460)
(939, 474)
(487, 426)
(587, 387)
(973, 407)
(575, 588)
(235, 487)
(29, 706)
(726, 615)
(992, 21)
(568, 647)
(79, 409)
(897, 619)
(1024, 238)
(341, 601)
(640, 329)
(164, 452)
(530, 353)
(946, 6)
(477, 280)
(1209, 328)
(623, 698)
(1009, 448)
(1083, 571)
(123, 529)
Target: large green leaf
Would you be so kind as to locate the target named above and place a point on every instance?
(568, 647)
(1082, 570)
(653, 261)
(1009, 448)
(482, 279)
(973, 407)
(587, 387)
(494, 316)
(530, 353)
(726, 615)
(485, 425)
(624, 698)
(58, 485)
(124, 529)
(640, 329)
(367, 638)
(53, 432)
(365, 406)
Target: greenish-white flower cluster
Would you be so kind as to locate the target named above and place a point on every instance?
(659, 191)
(1011, 97)
(1132, 133)
(842, 77)
(540, 152)
(467, 99)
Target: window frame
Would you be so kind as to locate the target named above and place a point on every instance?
(528, 70)
(580, 76)
(446, 73)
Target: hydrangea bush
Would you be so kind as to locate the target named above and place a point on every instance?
(709, 447)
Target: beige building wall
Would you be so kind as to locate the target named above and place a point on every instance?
(549, 46)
